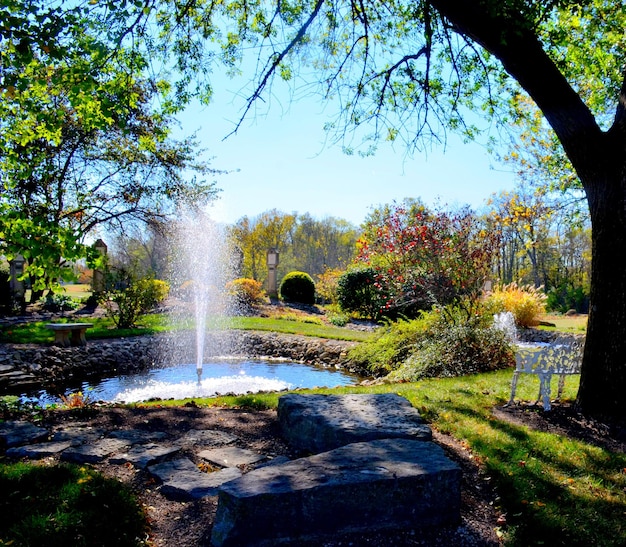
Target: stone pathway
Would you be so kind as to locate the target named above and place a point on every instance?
(181, 479)
(372, 467)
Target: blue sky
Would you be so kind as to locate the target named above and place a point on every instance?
(283, 163)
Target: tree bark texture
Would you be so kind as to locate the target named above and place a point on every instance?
(600, 161)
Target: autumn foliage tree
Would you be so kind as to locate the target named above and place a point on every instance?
(426, 258)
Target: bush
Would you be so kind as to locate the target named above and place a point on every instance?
(457, 350)
(526, 303)
(327, 285)
(298, 287)
(154, 292)
(357, 293)
(127, 304)
(432, 346)
(246, 292)
(391, 346)
(567, 297)
(58, 303)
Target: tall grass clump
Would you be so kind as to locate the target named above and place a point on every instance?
(435, 345)
(525, 302)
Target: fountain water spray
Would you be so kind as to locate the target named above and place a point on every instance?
(202, 267)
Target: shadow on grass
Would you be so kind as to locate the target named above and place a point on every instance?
(555, 490)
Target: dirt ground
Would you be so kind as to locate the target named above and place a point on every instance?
(189, 524)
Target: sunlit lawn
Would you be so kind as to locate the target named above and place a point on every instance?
(37, 333)
(566, 323)
(552, 490)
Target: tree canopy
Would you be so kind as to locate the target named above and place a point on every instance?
(410, 72)
(84, 144)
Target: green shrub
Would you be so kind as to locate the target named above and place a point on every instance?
(58, 303)
(567, 297)
(433, 346)
(457, 350)
(526, 303)
(357, 293)
(391, 346)
(246, 291)
(298, 287)
(125, 305)
(327, 284)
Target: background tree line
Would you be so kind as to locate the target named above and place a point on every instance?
(533, 237)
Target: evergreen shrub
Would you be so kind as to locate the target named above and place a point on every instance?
(357, 293)
(298, 287)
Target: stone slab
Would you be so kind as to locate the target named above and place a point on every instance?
(79, 435)
(38, 450)
(231, 456)
(138, 436)
(16, 433)
(369, 486)
(144, 455)
(317, 423)
(93, 453)
(183, 480)
(206, 437)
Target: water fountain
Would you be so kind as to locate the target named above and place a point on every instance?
(505, 321)
(202, 264)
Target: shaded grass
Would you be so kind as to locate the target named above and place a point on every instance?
(65, 505)
(553, 490)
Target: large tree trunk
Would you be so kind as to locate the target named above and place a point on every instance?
(600, 161)
(603, 381)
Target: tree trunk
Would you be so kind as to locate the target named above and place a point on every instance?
(603, 381)
(600, 161)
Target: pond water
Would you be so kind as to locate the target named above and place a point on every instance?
(229, 376)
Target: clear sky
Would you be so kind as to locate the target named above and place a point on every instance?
(279, 161)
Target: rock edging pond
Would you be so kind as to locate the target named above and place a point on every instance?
(26, 367)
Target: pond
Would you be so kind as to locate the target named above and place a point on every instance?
(218, 378)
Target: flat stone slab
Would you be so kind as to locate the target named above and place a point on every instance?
(183, 480)
(16, 433)
(93, 453)
(144, 455)
(78, 435)
(317, 423)
(206, 437)
(231, 456)
(38, 450)
(138, 436)
(361, 487)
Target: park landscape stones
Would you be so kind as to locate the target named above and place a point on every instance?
(387, 475)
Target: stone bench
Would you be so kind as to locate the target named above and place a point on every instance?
(562, 358)
(69, 334)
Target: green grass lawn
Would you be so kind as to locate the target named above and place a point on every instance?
(552, 490)
(37, 333)
(565, 323)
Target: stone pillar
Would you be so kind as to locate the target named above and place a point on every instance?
(16, 285)
(272, 265)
